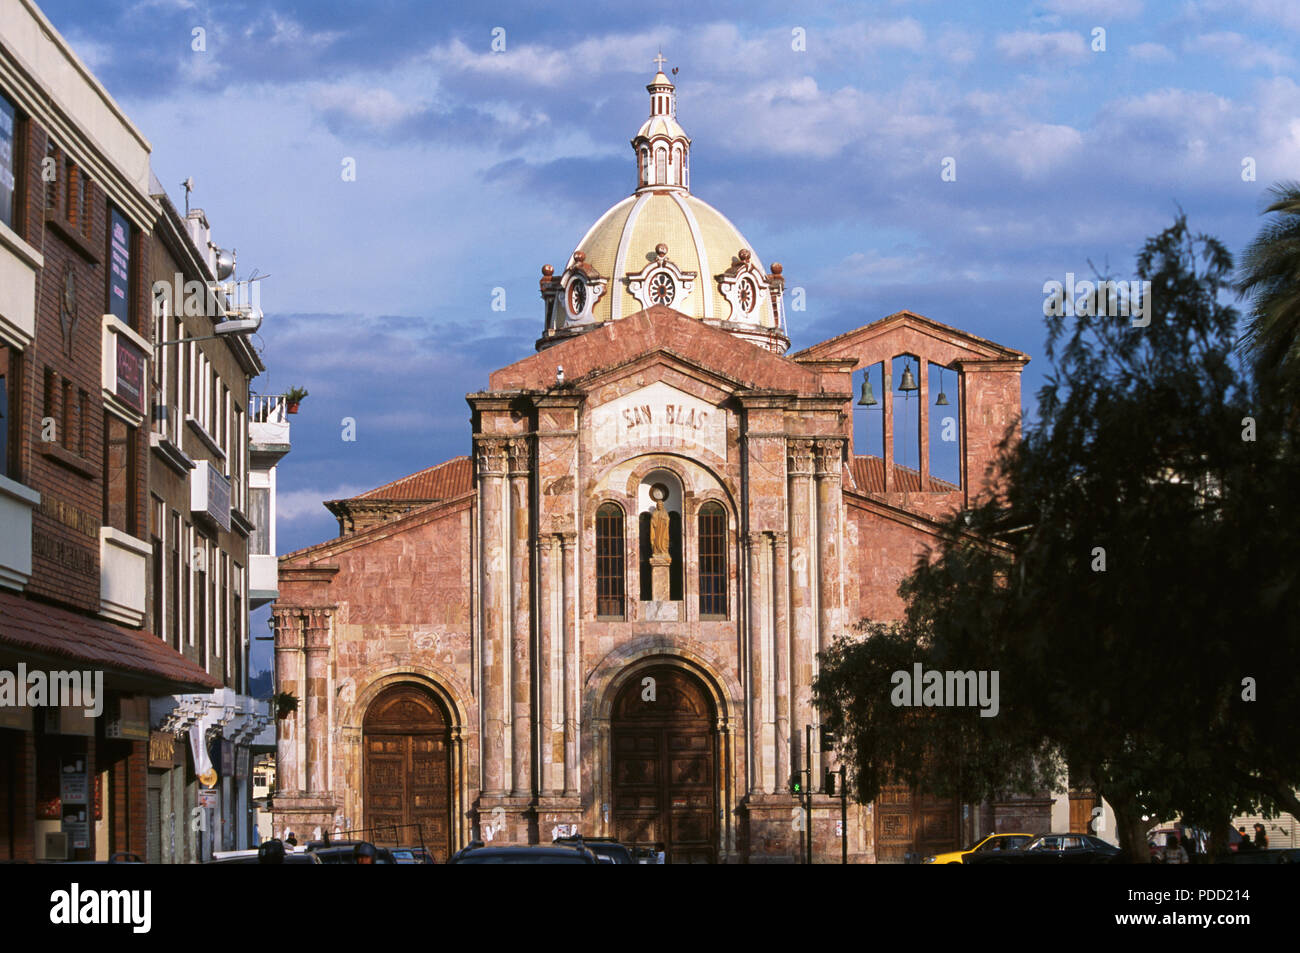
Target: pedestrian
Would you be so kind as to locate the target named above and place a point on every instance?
(292, 841)
(1245, 843)
(661, 855)
(363, 853)
(1261, 837)
(1173, 852)
(270, 852)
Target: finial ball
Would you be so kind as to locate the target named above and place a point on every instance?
(776, 267)
(548, 270)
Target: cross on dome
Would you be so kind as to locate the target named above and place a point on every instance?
(660, 60)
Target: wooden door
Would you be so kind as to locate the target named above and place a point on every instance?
(910, 822)
(665, 772)
(408, 771)
(1082, 801)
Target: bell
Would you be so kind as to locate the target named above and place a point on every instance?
(942, 400)
(909, 382)
(867, 399)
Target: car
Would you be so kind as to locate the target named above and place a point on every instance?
(994, 842)
(1272, 855)
(250, 857)
(1054, 849)
(344, 852)
(607, 849)
(478, 853)
(412, 855)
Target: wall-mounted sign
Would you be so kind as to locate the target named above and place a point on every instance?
(130, 372)
(119, 270)
(659, 416)
(73, 785)
(128, 718)
(162, 749)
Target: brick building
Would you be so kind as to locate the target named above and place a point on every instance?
(606, 617)
(75, 219)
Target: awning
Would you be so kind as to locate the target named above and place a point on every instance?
(132, 660)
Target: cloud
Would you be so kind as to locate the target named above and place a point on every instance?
(1111, 9)
(294, 505)
(1048, 49)
(1150, 52)
(1242, 52)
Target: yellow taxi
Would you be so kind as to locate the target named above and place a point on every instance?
(992, 842)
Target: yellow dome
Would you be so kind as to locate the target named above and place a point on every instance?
(663, 246)
(700, 240)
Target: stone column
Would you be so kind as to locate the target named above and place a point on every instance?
(521, 651)
(317, 698)
(491, 471)
(289, 677)
(803, 622)
(781, 657)
(548, 758)
(755, 685)
(830, 456)
(569, 615)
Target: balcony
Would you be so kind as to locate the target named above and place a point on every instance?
(16, 505)
(19, 263)
(123, 576)
(263, 581)
(210, 494)
(268, 430)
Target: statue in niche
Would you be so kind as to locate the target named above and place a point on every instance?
(659, 522)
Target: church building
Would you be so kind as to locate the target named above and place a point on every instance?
(605, 619)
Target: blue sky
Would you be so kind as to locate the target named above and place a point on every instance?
(475, 167)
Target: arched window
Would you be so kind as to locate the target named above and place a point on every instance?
(661, 166)
(609, 560)
(713, 561)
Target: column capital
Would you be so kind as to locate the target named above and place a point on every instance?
(519, 450)
(490, 453)
(288, 627)
(780, 538)
(830, 457)
(799, 456)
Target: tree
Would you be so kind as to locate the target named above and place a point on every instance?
(1123, 579)
(1270, 276)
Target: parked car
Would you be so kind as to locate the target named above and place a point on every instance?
(412, 855)
(1054, 849)
(1274, 855)
(994, 842)
(478, 853)
(344, 852)
(607, 849)
(250, 857)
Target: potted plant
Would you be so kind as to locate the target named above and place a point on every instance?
(292, 398)
(285, 704)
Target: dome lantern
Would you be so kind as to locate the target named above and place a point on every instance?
(661, 145)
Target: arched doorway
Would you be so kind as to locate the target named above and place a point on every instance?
(663, 735)
(407, 744)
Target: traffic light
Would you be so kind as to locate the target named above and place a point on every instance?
(796, 782)
(828, 786)
(829, 739)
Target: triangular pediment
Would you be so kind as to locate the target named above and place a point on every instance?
(659, 333)
(913, 332)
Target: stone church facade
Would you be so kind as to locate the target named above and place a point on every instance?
(517, 643)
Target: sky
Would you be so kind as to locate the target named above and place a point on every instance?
(486, 138)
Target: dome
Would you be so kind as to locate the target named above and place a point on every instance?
(699, 239)
(664, 246)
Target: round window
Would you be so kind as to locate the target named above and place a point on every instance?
(577, 297)
(748, 295)
(661, 289)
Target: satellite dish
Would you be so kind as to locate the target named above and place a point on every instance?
(225, 264)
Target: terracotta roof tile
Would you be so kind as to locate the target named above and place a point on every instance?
(869, 477)
(451, 478)
(36, 627)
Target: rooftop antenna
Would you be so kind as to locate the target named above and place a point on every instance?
(188, 186)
